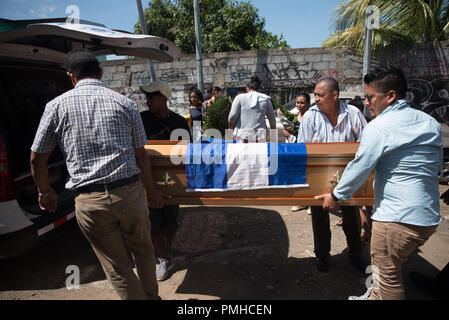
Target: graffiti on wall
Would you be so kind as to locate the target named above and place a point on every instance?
(220, 64)
(290, 71)
(339, 76)
(431, 97)
(173, 75)
(424, 67)
(241, 74)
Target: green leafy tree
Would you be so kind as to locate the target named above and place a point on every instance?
(402, 24)
(226, 25)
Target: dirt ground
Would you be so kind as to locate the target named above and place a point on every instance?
(232, 253)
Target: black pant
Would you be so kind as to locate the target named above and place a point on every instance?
(443, 277)
(322, 231)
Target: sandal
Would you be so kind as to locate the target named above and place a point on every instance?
(339, 223)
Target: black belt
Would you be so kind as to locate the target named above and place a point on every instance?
(107, 186)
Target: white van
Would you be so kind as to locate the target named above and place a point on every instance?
(31, 75)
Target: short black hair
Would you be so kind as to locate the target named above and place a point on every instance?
(331, 83)
(82, 63)
(384, 79)
(254, 84)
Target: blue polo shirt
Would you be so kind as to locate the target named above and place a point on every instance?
(404, 148)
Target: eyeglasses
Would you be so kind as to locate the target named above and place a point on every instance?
(368, 97)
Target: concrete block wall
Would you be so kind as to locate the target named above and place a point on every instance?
(427, 72)
(283, 72)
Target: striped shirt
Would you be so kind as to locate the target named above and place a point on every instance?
(316, 128)
(97, 130)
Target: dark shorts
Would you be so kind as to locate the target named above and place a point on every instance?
(164, 217)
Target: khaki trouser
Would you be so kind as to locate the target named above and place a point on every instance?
(391, 245)
(104, 217)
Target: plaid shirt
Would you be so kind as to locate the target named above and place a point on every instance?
(97, 130)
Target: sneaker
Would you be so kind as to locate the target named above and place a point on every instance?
(309, 212)
(296, 209)
(365, 296)
(164, 267)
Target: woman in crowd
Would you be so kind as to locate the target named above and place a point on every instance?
(302, 105)
(196, 112)
(196, 104)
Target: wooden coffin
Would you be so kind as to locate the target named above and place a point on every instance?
(325, 163)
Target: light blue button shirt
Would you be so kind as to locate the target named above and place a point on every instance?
(403, 145)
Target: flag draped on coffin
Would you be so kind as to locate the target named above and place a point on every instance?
(222, 166)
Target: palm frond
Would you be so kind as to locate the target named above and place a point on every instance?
(403, 23)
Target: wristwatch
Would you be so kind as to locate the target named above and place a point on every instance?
(335, 198)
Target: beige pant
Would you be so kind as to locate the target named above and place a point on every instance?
(104, 218)
(391, 245)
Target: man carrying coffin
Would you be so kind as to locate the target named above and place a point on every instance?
(333, 121)
(403, 146)
(160, 123)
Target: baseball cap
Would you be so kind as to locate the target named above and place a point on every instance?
(160, 86)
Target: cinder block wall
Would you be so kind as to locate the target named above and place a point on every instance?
(283, 72)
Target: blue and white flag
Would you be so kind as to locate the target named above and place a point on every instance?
(223, 166)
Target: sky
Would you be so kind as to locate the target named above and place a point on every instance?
(303, 23)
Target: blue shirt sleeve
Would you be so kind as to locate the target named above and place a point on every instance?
(372, 146)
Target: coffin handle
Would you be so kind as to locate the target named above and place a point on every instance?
(335, 178)
(168, 181)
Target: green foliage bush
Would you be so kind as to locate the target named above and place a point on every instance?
(290, 116)
(216, 116)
